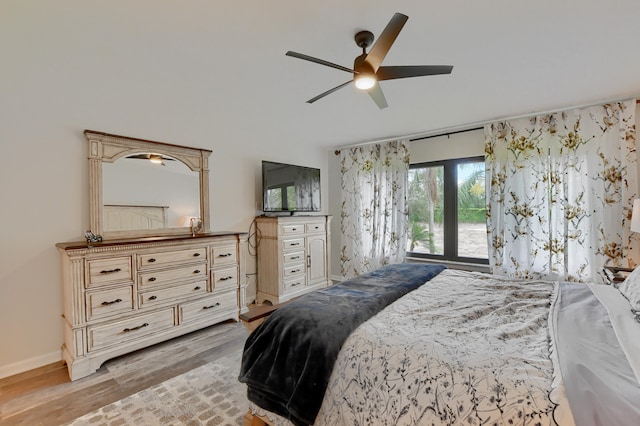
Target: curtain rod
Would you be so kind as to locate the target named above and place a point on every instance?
(446, 134)
(477, 125)
(337, 151)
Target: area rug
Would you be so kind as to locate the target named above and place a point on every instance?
(207, 395)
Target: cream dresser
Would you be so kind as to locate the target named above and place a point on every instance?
(293, 256)
(123, 295)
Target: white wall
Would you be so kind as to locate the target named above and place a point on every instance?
(457, 145)
(55, 84)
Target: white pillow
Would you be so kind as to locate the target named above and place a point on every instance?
(630, 288)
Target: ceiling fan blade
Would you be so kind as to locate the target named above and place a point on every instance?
(385, 40)
(378, 97)
(328, 92)
(391, 73)
(318, 61)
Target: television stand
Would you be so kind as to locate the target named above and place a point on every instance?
(293, 256)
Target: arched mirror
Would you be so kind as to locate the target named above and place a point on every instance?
(141, 188)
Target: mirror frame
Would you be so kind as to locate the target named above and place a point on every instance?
(107, 148)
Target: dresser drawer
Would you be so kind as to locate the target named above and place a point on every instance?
(292, 229)
(292, 243)
(162, 296)
(224, 255)
(211, 306)
(159, 259)
(224, 278)
(316, 227)
(168, 276)
(116, 333)
(294, 283)
(109, 271)
(290, 271)
(109, 302)
(293, 257)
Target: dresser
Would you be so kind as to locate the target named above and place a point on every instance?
(123, 295)
(293, 256)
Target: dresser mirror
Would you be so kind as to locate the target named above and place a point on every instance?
(142, 188)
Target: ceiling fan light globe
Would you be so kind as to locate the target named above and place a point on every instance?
(365, 82)
(156, 159)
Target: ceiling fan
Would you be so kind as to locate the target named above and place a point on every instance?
(154, 158)
(367, 70)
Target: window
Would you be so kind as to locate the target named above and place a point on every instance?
(447, 210)
(282, 195)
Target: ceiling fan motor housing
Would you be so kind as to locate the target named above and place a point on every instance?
(361, 66)
(364, 39)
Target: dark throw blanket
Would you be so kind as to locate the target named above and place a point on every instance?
(287, 360)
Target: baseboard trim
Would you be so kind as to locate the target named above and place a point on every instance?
(29, 364)
(336, 278)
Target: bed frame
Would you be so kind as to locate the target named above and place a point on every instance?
(255, 420)
(251, 321)
(127, 217)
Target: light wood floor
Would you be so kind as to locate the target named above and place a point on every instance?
(46, 396)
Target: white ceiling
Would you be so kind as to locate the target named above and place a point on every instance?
(223, 63)
(510, 58)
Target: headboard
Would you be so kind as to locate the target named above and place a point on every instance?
(122, 217)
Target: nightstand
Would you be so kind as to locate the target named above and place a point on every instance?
(616, 274)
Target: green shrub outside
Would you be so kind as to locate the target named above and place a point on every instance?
(465, 215)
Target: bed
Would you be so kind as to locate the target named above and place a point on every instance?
(457, 348)
(127, 217)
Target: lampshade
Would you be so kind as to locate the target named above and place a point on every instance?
(187, 221)
(635, 216)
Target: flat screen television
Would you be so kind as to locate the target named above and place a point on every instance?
(290, 188)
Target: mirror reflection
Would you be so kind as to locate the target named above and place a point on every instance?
(148, 191)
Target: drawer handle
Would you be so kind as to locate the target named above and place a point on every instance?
(105, 303)
(151, 260)
(126, 330)
(295, 257)
(226, 278)
(225, 254)
(294, 244)
(152, 279)
(296, 284)
(211, 306)
(317, 227)
(293, 229)
(153, 297)
(197, 288)
(197, 271)
(110, 271)
(295, 270)
(196, 254)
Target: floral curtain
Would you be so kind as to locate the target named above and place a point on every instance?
(307, 188)
(374, 206)
(560, 190)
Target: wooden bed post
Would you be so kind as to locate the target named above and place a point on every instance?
(254, 420)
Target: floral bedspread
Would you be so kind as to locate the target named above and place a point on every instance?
(466, 348)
